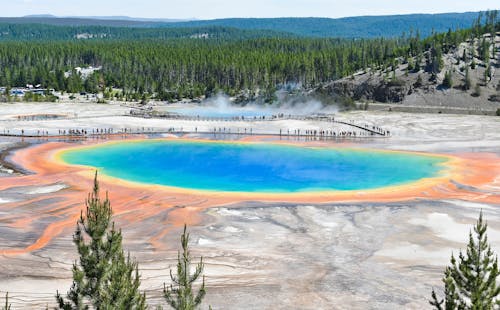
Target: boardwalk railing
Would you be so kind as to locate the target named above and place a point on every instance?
(328, 131)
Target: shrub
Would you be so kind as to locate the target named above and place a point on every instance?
(477, 91)
(447, 81)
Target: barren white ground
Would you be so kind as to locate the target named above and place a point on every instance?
(281, 256)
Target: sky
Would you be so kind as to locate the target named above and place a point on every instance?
(210, 9)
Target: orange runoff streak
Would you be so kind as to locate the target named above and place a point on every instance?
(135, 202)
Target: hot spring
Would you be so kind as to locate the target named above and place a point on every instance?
(254, 167)
(222, 107)
(216, 112)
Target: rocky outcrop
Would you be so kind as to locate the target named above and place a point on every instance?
(371, 89)
(422, 88)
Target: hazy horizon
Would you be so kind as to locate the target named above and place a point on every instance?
(228, 17)
(214, 9)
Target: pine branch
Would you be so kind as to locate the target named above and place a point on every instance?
(201, 294)
(435, 302)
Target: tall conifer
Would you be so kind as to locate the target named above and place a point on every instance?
(180, 295)
(471, 281)
(104, 277)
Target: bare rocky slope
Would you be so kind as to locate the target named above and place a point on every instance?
(420, 91)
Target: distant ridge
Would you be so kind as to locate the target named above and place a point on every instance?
(40, 16)
(116, 17)
(72, 21)
(107, 21)
(347, 27)
(128, 18)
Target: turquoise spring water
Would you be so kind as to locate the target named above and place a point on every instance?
(227, 112)
(248, 167)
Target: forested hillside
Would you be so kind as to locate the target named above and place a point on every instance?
(186, 68)
(179, 68)
(350, 27)
(42, 32)
(456, 72)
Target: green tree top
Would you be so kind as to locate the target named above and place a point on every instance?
(104, 277)
(180, 294)
(471, 281)
(448, 80)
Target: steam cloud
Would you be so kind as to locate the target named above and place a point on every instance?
(222, 105)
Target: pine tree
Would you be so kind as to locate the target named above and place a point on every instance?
(467, 81)
(104, 277)
(477, 91)
(484, 51)
(419, 81)
(471, 281)
(181, 297)
(473, 64)
(418, 63)
(447, 81)
(6, 305)
(487, 74)
(7, 93)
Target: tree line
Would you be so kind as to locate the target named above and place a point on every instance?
(12, 32)
(179, 68)
(351, 27)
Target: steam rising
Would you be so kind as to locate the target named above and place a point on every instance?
(222, 106)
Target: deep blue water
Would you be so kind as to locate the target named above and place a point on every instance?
(252, 167)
